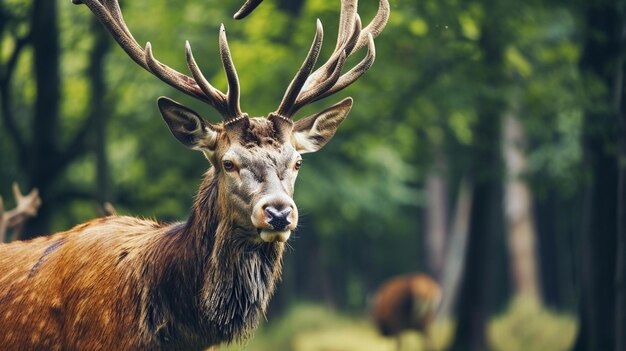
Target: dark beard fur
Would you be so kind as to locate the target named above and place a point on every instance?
(239, 286)
(234, 279)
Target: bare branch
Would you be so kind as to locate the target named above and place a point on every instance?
(6, 73)
(107, 209)
(26, 207)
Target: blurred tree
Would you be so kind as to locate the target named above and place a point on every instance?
(476, 295)
(44, 153)
(99, 110)
(620, 262)
(436, 219)
(293, 7)
(456, 250)
(545, 57)
(518, 201)
(600, 64)
(39, 157)
(620, 277)
(45, 160)
(10, 21)
(620, 274)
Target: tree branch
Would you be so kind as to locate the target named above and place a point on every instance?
(5, 98)
(96, 115)
(26, 206)
(20, 44)
(78, 146)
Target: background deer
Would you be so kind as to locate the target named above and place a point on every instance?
(406, 303)
(122, 283)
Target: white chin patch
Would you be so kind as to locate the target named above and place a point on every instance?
(271, 236)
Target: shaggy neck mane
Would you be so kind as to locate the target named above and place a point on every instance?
(225, 279)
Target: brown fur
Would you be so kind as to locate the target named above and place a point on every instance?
(406, 302)
(120, 283)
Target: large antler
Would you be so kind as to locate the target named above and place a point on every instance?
(308, 87)
(109, 13)
(25, 208)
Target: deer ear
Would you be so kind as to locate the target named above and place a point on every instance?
(186, 126)
(313, 132)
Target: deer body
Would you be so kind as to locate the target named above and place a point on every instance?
(121, 283)
(405, 303)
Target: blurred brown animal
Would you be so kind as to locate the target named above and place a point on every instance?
(122, 283)
(406, 303)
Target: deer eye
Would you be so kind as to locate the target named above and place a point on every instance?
(298, 165)
(228, 165)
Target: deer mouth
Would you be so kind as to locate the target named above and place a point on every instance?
(271, 236)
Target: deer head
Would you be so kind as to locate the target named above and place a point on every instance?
(256, 160)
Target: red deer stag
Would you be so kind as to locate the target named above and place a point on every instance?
(405, 303)
(121, 283)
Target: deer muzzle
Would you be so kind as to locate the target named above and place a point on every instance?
(275, 217)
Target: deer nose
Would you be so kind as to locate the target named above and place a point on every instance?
(278, 219)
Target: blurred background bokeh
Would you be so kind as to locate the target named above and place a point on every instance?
(486, 148)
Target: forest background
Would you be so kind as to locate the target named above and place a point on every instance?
(487, 147)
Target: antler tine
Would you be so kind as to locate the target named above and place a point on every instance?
(352, 75)
(347, 17)
(347, 40)
(327, 79)
(173, 78)
(303, 73)
(231, 74)
(309, 95)
(109, 13)
(376, 26)
(305, 85)
(247, 8)
(218, 97)
(326, 76)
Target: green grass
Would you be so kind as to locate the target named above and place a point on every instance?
(527, 326)
(309, 327)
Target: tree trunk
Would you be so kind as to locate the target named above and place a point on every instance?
(99, 110)
(519, 216)
(292, 7)
(436, 222)
(478, 281)
(620, 274)
(456, 249)
(598, 253)
(599, 242)
(479, 288)
(42, 169)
